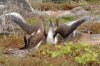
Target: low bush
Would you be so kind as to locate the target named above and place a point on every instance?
(82, 53)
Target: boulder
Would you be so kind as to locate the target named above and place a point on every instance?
(79, 11)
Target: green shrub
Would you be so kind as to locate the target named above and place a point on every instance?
(63, 19)
(31, 20)
(86, 58)
(82, 53)
(67, 18)
(62, 51)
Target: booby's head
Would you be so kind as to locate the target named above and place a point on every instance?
(50, 35)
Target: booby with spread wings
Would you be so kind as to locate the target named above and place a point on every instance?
(35, 31)
(64, 30)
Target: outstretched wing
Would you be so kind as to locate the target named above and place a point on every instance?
(66, 29)
(19, 20)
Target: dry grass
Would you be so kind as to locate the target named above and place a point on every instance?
(37, 59)
(12, 41)
(40, 58)
(52, 6)
(15, 61)
(92, 27)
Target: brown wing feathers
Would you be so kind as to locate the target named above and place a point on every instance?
(65, 30)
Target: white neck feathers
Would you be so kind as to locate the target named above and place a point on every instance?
(50, 39)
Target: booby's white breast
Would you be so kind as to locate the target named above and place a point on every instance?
(50, 38)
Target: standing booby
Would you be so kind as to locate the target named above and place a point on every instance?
(36, 31)
(63, 30)
(50, 39)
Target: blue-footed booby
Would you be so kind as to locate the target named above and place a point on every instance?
(35, 31)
